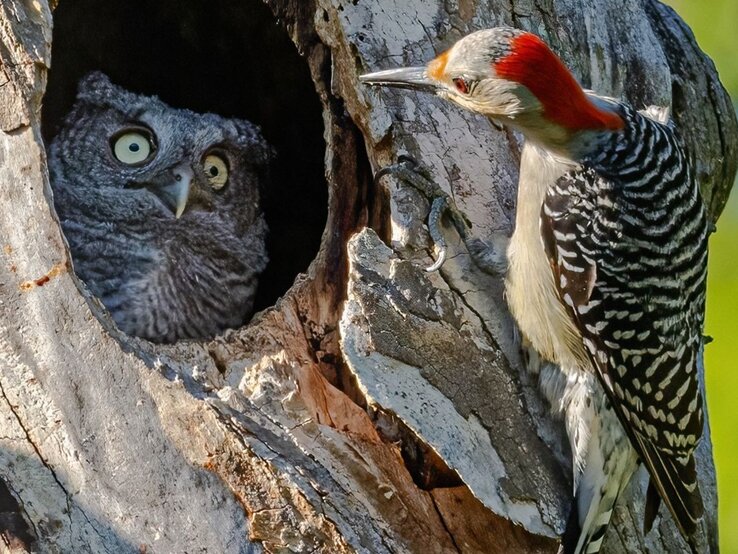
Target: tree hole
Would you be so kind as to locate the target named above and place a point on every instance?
(228, 57)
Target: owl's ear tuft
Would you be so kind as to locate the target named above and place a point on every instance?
(96, 88)
(92, 81)
(256, 149)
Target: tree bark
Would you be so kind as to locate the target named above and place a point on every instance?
(375, 408)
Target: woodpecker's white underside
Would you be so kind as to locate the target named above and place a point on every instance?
(531, 293)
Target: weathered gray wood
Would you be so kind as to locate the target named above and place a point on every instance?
(419, 432)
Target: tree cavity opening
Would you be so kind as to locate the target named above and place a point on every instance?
(228, 57)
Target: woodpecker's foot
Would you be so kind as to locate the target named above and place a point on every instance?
(491, 258)
(418, 177)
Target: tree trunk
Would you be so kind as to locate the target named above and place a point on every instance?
(375, 408)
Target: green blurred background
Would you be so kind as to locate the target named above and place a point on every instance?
(715, 24)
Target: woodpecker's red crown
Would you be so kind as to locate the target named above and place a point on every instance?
(532, 64)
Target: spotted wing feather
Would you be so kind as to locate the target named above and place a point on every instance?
(626, 239)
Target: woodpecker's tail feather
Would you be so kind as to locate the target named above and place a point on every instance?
(608, 464)
(596, 522)
(587, 538)
(676, 481)
(653, 501)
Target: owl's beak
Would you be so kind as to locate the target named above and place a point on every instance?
(182, 193)
(176, 191)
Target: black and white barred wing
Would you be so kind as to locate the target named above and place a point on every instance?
(639, 330)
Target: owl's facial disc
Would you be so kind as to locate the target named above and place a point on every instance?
(183, 187)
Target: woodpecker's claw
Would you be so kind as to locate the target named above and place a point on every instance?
(490, 258)
(409, 171)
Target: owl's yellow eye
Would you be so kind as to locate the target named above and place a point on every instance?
(216, 171)
(132, 147)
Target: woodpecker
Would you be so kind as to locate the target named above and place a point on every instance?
(606, 269)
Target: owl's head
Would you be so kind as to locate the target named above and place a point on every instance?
(156, 161)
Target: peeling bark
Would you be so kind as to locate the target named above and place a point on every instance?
(374, 408)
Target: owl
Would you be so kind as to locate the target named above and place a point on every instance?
(161, 210)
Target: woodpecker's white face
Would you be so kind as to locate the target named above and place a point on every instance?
(466, 75)
(511, 76)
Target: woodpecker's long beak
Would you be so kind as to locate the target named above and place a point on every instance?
(415, 78)
(176, 190)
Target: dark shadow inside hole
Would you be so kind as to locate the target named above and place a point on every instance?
(228, 57)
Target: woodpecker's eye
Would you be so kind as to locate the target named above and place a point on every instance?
(461, 85)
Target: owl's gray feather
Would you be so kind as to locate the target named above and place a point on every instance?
(161, 277)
